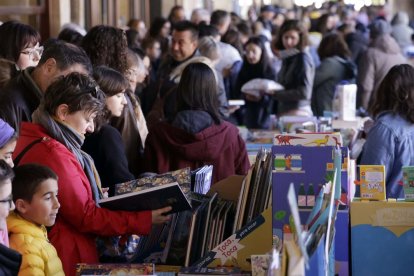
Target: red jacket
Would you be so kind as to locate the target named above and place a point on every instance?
(170, 148)
(79, 220)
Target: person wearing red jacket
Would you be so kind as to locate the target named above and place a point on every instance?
(66, 113)
(197, 135)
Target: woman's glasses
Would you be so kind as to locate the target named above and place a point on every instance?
(8, 200)
(32, 51)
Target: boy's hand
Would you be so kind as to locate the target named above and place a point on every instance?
(158, 216)
(105, 192)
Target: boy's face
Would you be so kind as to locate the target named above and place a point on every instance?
(5, 204)
(44, 205)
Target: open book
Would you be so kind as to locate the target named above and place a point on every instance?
(152, 198)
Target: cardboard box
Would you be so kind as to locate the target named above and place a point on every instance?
(382, 238)
(305, 168)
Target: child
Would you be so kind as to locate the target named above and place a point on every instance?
(8, 139)
(35, 191)
(9, 259)
(6, 202)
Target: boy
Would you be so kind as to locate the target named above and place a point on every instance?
(35, 191)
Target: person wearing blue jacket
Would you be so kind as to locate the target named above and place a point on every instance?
(390, 141)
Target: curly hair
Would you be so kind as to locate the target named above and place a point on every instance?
(106, 45)
(396, 93)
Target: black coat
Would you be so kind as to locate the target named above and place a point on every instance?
(19, 99)
(10, 261)
(108, 152)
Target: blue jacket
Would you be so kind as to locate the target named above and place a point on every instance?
(390, 142)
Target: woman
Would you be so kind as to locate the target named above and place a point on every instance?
(336, 66)
(66, 114)
(117, 56)
(160, 29)
(20, 44)
(8, 140)
(390, 141)
(105, 145)
(297, 72)
(196, 136)
(256, 64)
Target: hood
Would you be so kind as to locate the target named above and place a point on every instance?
(387, 44)
(205, 145)
(17, 225)
(350, 68)
(400, 18)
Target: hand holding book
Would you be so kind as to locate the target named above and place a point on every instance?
(159, 216)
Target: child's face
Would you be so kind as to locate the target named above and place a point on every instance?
(44, 205)
(6, 202)
(6, 152)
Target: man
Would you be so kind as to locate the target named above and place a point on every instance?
(183, 50)
(23, 93)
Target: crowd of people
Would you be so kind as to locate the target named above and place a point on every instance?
(89, 109)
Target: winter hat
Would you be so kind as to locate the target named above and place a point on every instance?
(6, 132)
(379, 27)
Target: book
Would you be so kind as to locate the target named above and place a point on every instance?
(372, 178)
(149, 199)
(408, 182)
(236, 102)
(181, 176)
(115, 269)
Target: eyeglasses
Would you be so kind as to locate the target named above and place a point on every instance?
(8, 200)
(31, 51)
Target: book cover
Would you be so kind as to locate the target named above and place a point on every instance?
(182, 177)
(408, 183)
(372, 179)
(114, 269)
(149, 199)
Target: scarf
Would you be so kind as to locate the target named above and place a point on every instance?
(66, 135)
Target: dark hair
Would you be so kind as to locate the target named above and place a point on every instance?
(71, 36)
(333, 45)
(109, 80)
(65, 54)
(207, 30)
(244, 28)
(149, 42)
(197, 90)
(232, 37)
(28, 179)
(78, 91)
(172, 13)
(6, 172)
(264, 62)
(8, 70)
(106, 45)
(187, 26)
(156, 26)
(321, 23)
(15, 37)
(218, 17)
(396, 92)
(111, 83)
(296, 25)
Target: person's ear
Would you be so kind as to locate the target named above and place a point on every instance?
(62, 111)
(22, 206)
(49, 67)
